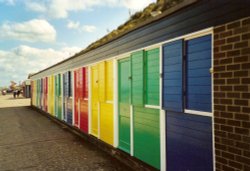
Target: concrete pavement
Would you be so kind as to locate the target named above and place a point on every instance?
(30, 141)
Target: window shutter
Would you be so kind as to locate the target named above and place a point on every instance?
(137, 72)
(198, 84)
(173, 76)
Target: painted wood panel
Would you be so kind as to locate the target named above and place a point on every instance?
(51, 94)
(101, 81)
(84, 102)
(146, 126)
(152, 77)
(77, 89)
(106, 106)
(81, 102)
(124, 89)
(106, 123)
(198, 77)
(147, 135)
(137, 72)
(45, 97)
(172, 76)
(94, 101)
(189, 142)
(58, 98)
(67, 99)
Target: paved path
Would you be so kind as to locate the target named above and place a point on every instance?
(9, 101)
(29, 141)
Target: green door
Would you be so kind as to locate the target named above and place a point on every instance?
(146, 120)
(139, 78)
(124, 104)
(56, 100)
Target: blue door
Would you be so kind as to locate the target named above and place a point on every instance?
(67, 99)
(187, 102)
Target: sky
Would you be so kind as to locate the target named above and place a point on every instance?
(35, 34)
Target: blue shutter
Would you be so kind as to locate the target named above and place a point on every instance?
(69, 84)
(198, 84)
(172, 76)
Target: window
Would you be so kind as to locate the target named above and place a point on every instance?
(186, 76)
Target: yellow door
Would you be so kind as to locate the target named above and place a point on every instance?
(49, 95)
(106, 123)
(94, 101)
(106, 104)
(52, 95)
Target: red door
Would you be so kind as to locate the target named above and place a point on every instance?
(84, 100)
(77, 94)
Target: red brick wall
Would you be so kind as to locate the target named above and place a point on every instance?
(232, 95)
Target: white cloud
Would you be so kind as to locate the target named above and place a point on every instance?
(23, 60)
(61, 8)
(32, 31)
(88, 28)
(35, 6)
(73, 25)
(136, 4)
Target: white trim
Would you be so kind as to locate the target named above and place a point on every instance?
(212, 86)
(162, 119)
(186, 37)
(109, 102)
(131, 131)
(199, 34)
(115, 105)
(195, 112)
(89, 101)
(152, 106)
(151, 47)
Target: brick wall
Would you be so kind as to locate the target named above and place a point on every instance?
(232, 95)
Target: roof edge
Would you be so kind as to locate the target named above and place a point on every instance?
(169, 11)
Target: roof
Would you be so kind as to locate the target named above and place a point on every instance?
(136, 21)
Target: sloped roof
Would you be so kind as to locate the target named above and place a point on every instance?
(136, 21)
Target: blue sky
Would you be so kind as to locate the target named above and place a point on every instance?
(35, 34)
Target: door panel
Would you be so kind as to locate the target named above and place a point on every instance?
(152, 77)
(94, 99)
(189, 142)
(147, 135)
(124, 104)
(84, 100)
(77, 99)
(198, 76)
(106, 122)
(137, 72)
(84, 116)
(173, 76)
